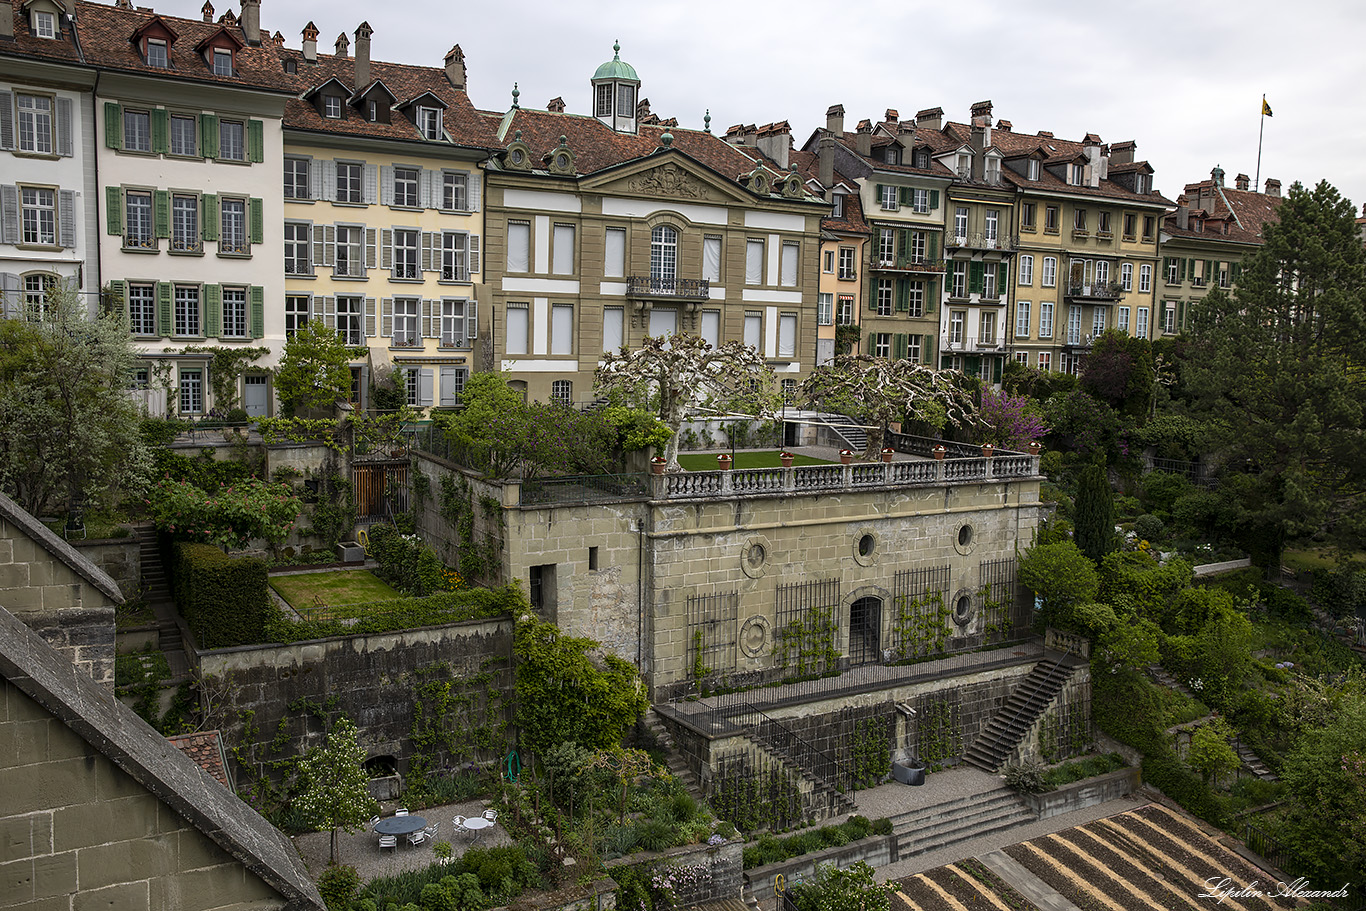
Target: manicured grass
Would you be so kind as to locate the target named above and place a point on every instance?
(343, 586)
(706, 461)
(1315, 558)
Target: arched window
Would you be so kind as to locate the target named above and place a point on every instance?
(663, 256)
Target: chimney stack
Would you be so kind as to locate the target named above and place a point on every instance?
(277, 39)
(892, 117)
(555, 105)
(1004, 126)
(206, 11)
(1273, 187)
(6, 18)
(251, 22)
(455, 68)
(1123, 152)
(834, 119)
(930, 119)
(775, 141)
(981, 114)
(363, 33)
(825, 162)
(1241, 181)
(311, 43)
(343, 45)
(863, 138)
(1216, 175)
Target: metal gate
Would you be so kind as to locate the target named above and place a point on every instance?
(381, 489)
(865, 625)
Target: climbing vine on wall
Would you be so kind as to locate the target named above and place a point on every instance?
(939, 731)
(996, 616)
(456, 717)
(870, 750)
(480, 558)
(806, 645)
(1065, 732)
(919, 625)
(753, 793)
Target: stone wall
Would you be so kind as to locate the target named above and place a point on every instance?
(709, 873)
(875, 850)
(119, 557)
(1064, 729)
(1081, 794)
(266, 699)
(460, 514)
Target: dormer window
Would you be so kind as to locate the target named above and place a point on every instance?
(374, 111)
(222, 62)
(964, 164)
(44, 25)
(922, 159)
(1142, 183)
(993, 169)
(157, 54)
(291, 67)
(332, 107)
(837, 208)
(891, 155)
(1033, 169)
(1078, 175)
(429, 123)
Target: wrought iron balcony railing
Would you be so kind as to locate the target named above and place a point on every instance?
(686, 288)
(1095, 290)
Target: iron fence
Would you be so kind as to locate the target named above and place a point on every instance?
(712, 632)
(577, 489)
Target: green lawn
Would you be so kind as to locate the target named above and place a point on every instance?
(309, 591)
(706, 461)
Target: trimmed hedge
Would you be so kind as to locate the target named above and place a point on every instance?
(403, 613)
(223, 599)
(770, 849)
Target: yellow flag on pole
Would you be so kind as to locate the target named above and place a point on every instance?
(1266, 108)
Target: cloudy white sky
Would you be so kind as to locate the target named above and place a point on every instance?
(1183, 78)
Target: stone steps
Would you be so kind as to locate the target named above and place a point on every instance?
(672, 759)
(1253, 763)
(960, 819)
(1029, 701)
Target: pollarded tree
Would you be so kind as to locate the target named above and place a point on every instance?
(876, 391)
(336, 788)
(683, 378)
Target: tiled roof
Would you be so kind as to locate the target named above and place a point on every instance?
(808, 165)
(206, 749)
(26, 44)
(1253, 211)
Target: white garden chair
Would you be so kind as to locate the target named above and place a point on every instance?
(388, 841)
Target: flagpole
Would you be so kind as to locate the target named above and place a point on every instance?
(1261, 128)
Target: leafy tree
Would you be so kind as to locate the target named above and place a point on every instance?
(336, 789)
(314, 372)
(1277, 371)
(876, 391)
(230, 516)
(1120, 372)
(1211, 754)
(682, 377)
(854, 888)
(1094, 516)
(1061, 575)
(68, 429)
(1081, 423)
(1009, 421)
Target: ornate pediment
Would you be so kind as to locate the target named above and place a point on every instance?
(669, 180)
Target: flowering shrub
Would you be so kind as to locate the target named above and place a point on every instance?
(409, 564)
(229, 517)
(1010, 421)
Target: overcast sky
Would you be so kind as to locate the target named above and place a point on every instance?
(1183, 78)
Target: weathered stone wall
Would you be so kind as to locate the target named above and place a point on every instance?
(73, 822)
(875, 850)
(700, 873)
(373, 679)
(119, 557)
(1064, 729)
(474, 529)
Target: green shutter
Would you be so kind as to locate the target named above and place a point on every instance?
(257, 297)
(927, 349)
(113, 125)
(976, 271)
(113, 210)
(903, 295)
(208, 136)
(878, 201)
(905, 194)
(1182, 268)
(118, 290)
(872, 345)
(1180, 314)
(934, 199)
(256, 142)
(933, 247)
(161, 203)
(161, 131)
(899, 346)
(1211, 276)
(1004, 282)
(164, 323)
(931, 297)
(213, 310)
(209, 217)
(258, 227)
(1235, 270)
(903, 245)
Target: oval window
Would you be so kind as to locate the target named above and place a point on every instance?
(866, 545)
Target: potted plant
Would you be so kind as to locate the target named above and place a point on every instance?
(786, 458)
(939, 451)
(1034, 448)
(846, 456)
(724, 461)
(887, 453)
(988, 450)
(657, 465)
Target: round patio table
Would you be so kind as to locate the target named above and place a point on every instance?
(475, 824)
(400, 825)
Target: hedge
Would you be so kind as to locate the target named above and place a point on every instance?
(403, 613)
(223, 599)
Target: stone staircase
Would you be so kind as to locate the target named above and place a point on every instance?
(156, 590)
(1253, 763)
(957, 820)
(672, 758)
(1029, 701)
(1158, 674)
(853, 435)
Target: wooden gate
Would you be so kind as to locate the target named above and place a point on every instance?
(381, 489)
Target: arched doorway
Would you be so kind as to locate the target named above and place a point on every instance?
(865, 626)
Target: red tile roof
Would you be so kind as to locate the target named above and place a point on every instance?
(1253, 210)
(206, 749)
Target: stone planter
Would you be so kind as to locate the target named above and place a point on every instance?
(350, 552)
(910, 771)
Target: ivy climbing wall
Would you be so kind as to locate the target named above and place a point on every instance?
(462, 517)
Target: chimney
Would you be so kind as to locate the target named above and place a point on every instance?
(311, 43)
(343, 44)
(555, 105)
(978, 141)
(930, 119)
(825, 161)
(891, 118)
(1123, 152)
(455, 68)
(6, 18)
(775, 141)
(1045, 134)
(1241, 181)
(834, 119)
(363, 33)
(206, 11)
(1004, 126)
(642, 109)
(1183, 214)
(251, 22)
(1273, 187)
(277, 39)
(863, 139)
(1217, 176)
(981, 114)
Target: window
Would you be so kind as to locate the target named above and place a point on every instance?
(1103, 222)
(964, 166)
(891, 155)
(1078, 219)
(1097, 322)
(349, 181)
(222, 62)
(884, 297)
(959, 287)
(989, 280)
(1169, 318)
(1021, 357)
(296, 179)
(1046, 320)
(1074, 324)
(788, 266)
(847, 272)
(405, 323)
(957, 321)
(1148, 227)
(561, 391)
(1078, 172)
(1143, 183)
(142, 310)
(191, 390)
(913, 351)
(350, 257)
(1130, 224)
(297, 249)
(987, 335)
(603, 102)
(1173, 276)
(184, 135)
(36, 291)
(137, 131)
(454, 259)
(519, 246)
(405, 187)
(886, 246)
(915, 298)
(35, 123)
(412, 386)
(711, 258)
(1122, 319)
(429, 123)
(613, 328)
(296, 313)
(233, 215)
(663, 255)
(234, 313)
(626, 101)
(993, 169)
(518, 319)
(562, 255)
(455, 190)
(1026, 269)
(1022, 319)
(922, 158)
(754, 262)
(837, 206)
(787, 335)
(185, 224)
(232, 145)
(1027, 216)
(889, 198)
(38, 207)
(1145, 278)
(44, 25)
(1050, 219)
(993, 222)
(157, 54)
(825, 309)
(405, 264)
(350, 313)
(562, 329)
(960, 223)
(754, 330)
(1141, 325)
(828, 261)
(882, 344)
(920, 201)
(1032, 169)
(1102, 275)
(187, 310)
(1223, 275)
(917, 250)
(1126, 276)
(454, 333)
(332, 107)
(1045, 361)
(1050, 272)
(844, 310)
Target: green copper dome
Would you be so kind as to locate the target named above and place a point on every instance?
(616, 68)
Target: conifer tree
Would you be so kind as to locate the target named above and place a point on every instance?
(1094, 519)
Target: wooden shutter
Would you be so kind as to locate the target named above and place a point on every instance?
(471, 323)
(213, 310)
(329, 245)
(903, 295)
(319, 255)
(256, 141)
(447, 387)
(329, 313)
(932, 248)
(113, 210)
(256, 207)
(318, 308)
(66, 218)
(386, 185)
(386, 321)
(161, 209)
(431, 260)
(65, 143)
(9, 214)
(934, 199)
(427, 318)
(879, 194)
(7, 120)
(473, 254)
(371, 184)
(113, 125)
(165, 324)
(424, 188)
(371, 253)
(975, 272)
(161, 131)
(931, 297)
(905, 195)
(316, 183)
(208, 136)
(370, 317)
(386, 248)
(472, 185)
(425, 381)
(118, 291)
(9, 295)
(329, 180)
(209, 219)
(1004, 280)
(256, 299)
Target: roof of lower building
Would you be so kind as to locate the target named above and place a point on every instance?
(45, 538)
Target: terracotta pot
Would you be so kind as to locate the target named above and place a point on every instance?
(846, 456)
(786, 458)
(887, 454)
(1034, 448)
(940, 451)
(657, 465)
(724, 462)
(988, 450)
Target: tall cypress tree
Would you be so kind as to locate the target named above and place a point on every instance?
(1095, 513)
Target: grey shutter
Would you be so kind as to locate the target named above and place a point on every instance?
(330, 313)
(386, 319)
(329, 187)
(472, 190)
(424, 188)
(316, 311)
(371, 256)
(9, 289)
(64, 144)
(6, 120)
(319, 256)
(431, 260)
(66, 218)
(317, 177)
(447, 387)
(473, 257)
(370, 317)
(329, 245)
(425, 381)
(9, 214)
(386, 185)
(386, 248)
(471, 324)
(371, 184)
(427, 318)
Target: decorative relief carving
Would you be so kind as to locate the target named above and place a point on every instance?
(670, 180)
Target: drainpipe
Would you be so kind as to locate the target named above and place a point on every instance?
(640, 593)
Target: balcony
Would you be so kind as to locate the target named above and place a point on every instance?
(982, 241)
(948, 344)
(1107, 291)
(910, 264)
(1079, 341)
(693, 289)
(403, 339)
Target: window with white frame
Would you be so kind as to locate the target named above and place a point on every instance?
(913, 350)
(35, 123)
(137, 131)
(837, 206)
(987, 327)
(1102, 274)
(191, 390)
(351, 319)
(429, 123)
(454, 255)
(1074, 324)
(844, 310)
(185, 236)
(232, 236)
(405, 255)
(518, 326)
(412, 385)
(296, 179)
(1021, 357)
(754, 262)
(350, 257)
(886, 245)
(828, 261)
(603, 102)
(964, 165)
(1148, 224)
(1024, 274)
(788, 265)
(562, 329)
(1027, 211)
(1145, 278)
(232, 140)
(157, 53)
(1050, 219)
(1045, 361)
(1173, 271)
(1126, 276)
(1022, 309)
(846, 272)
(993, 225)
(298, 248)
(562, 392)
(234, 313)
(1078, 172)
(519, 246)
(296, 313)
(184, 130)
(959, 282)
(711, 327)
(1169, 318)
(960, 223)
(754, 330)
(825, 309)
(664, 254)
(915, 298)
(613, 328)
(38, 209)
(989, 289)
(1050, 272)
(562, 251)
(882, 344)
(1046, 320)
(920, 201)
(44, 24)
(889, 200)
(1122, 318)
(993, 169)
(787, 335)
(454, 191)
(37, 290)
(350, 182)
(332, 107)
(958, 320)
(626, 100)
(454, 331)
(711, 258)
(142, 309)
(885, 291)
(405, 187)
(1141, 322)
(614, 253)
(187, 310)
(917, 249)
(406, 315)
(222, 62)
(1097, 322)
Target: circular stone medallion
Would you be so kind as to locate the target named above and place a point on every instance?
(754, 636)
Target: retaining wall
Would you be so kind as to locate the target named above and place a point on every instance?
(875, 850)
(1088, 793)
